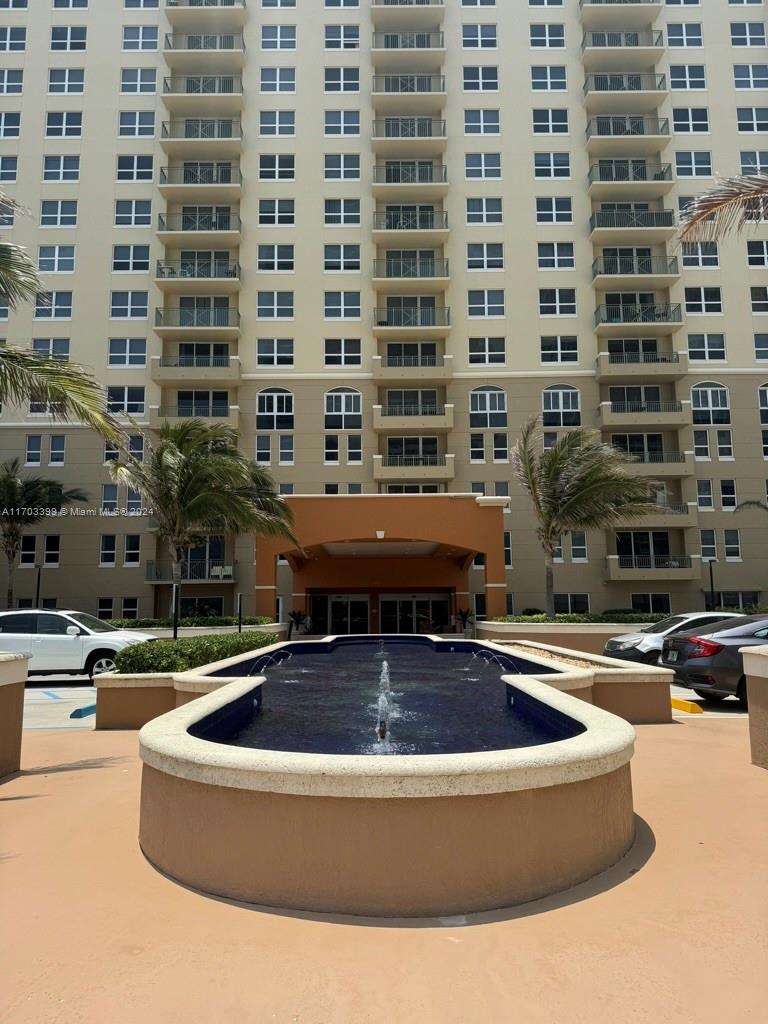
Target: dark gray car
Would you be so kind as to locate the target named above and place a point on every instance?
(709, 663)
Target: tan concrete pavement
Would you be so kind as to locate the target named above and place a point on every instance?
(91, 934)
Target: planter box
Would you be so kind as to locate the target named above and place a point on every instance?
(13, 675)
(587, 636)
(756, 669)
(280, 629)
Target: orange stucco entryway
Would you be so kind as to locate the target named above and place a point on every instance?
(377, 543)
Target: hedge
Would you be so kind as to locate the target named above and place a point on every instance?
(188, 652)
(622, 617)
(200, 620)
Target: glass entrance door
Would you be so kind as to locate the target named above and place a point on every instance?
(344, 613)
(421, 613)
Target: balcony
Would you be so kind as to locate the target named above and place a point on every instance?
(208, 182)
(643, 415)
(411, 370)
(412, 276)
(203, 51)
(413, 419)
(393, 14)
(195, 570)
(219, 413)
(203, 94)
(662, 464)
(638, 271)
(656, 367)
(202, 322)
(627, 133)
(197, 14)
(623, 568)
(216, 276)
(672, 515)
(633, 179)
(203, 230)
(413, 468)
(417, 136)
(408, 51)
(420, 94)
(619, 13)
(629, 92)
(428, 322)
(199, 137)
(211, 371)
(637, 320)
(410, 227)
(626, 226)
(406, 179)
(629, 50)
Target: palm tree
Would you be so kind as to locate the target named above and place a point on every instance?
(732, 204)
(70, 391)
(195, 480)
(751, 504)
(577, 484)
(25, 501)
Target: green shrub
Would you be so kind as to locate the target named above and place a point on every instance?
(188, 652)
(622, 617)
(200, 620)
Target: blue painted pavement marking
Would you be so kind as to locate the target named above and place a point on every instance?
(52, 695)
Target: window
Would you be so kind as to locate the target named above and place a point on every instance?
(724, 444)
(747, 33)
(279, 212)
(133, 213)
(557, 301)
(732, 545)
(71, 4)
(108, 549)
(561, 406)
(547, 36)
(684, 34)
(551, 165)
(477, 448)
(482, 165)
(487, 407)
(130, 258)
(129, 305)
(263, 449)
(135, 448)
(275, 258)
(342, 122)
(342, 79)
(700, 254)
(12, 40)
(578, 546)
(277, 122)
(757, 254)
(559, 348)
(549, 121)
(341, 257)
(759, 299)
(687, 76)
(135, 168)
(132, 549)
(11, 81)
(139, 37)
(762, 401)
(485, 302)
(51, 348)
(127, 352)
(66, 80)
(10, 124)
(693, 164)
(571, 604)
(274, 305)
(331, 450)
(277, 167)
(109, 499)
(554, 210)
(342, 167)
(761, 346)
(754, 161)
(34, 450)
(710, 403)
(556, 256)
(481, 122)
(14, 5)
(278, 80)
(342, 37)
(67, 124)
(708, 545)
(53, 306)
(656, 604)
(274, 352)
(285, 449)
(61, 168)
(483, 78)
(728, 500)
(478, 37)
(548, 78)
(487, 351)
(138, 80)
(136, 124)
(343, 409)
(706, 347)
(339, 212)
(57, 450)
(690, 119)
(127, 400)
(750, 76)
(484, 211)
(130, 608)
(56, 259)
(28, 550)
(703, 300)
(704, 496)
(68, 37)
(500, 447)
(752, 119)
(278, 37)
(342, 305)
(51, 553)
(342, 352)
(485, 256)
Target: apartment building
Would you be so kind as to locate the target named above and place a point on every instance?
(376, 236)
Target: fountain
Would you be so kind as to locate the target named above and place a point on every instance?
(384, 705)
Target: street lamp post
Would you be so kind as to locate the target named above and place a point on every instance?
(37, 586)
(712, 584)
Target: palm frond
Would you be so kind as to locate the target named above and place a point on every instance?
(751, 504)
(18, 275)
(731, 205)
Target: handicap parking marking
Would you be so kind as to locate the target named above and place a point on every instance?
(52, 695)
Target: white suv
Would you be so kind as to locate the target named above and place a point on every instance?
(646, 644)
(65, 642)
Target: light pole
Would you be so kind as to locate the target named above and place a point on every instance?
(712, 584)
(37, 586)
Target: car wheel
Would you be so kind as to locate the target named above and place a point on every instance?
(741, 693)
(710, 698)
(651, 658)
(99, 663)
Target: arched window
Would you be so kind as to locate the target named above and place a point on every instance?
(343, 409)
(561, 406)
(274, 409)
(710, 403)
(487, 407)
(762, 401)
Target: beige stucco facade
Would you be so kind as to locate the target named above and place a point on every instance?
(205, 225)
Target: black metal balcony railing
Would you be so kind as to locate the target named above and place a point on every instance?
(604, 39)
(654, 458)
(201, 128)
(193, 569)
(197, 362)
(181, 317)
(655, 561)
(408, 40)
(412, 460)
(674, 508)
(202, 174)
(408, 128)
(413, 410)
(208, 269)
(411, 362)
(624, 358)
(400, 268)
(203, 41)
(638, 265)
(623, 126)
(195, 410)
(407, 173)
(438, 316)
(198, 222)
(646, 407)
(202, 85)
(408, 84)
(622, 171)
(410, 220)
(644, 313)
(632, 219)
(616, 81)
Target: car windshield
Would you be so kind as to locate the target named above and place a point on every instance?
(664, 625)
(92, 623)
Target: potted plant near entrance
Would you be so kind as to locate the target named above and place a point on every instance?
(297, 620)
(464, 620)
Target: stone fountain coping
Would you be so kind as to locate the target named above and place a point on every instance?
(10, 673)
